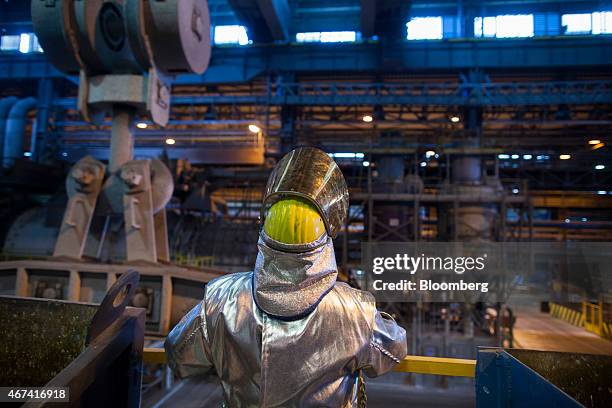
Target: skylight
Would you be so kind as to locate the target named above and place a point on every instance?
(424, 28)
(231, 34)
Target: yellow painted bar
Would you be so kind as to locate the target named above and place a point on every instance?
(455, 367)
(154, 355)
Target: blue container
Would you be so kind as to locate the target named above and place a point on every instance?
(528, 378)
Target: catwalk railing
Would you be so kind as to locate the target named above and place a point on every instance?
(440, 94)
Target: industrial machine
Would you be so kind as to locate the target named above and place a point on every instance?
(125, 54)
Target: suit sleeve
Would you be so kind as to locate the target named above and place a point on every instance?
(387, 347)
(187, 345)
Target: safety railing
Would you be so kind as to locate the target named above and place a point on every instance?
(594, 320)
(592, 317)
(454, 367)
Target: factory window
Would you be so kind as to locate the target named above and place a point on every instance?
(424, 28)
(328, 36)
(231, 34)
(504, 26)
(9, 43)
(587, 23)
(576, 23)
(602, 22)
(24, 43)
(34, 44)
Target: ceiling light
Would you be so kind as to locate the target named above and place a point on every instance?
(515, 156)
(142, 125)
(455, 119)
(515, 191)
(503, 156)
(367, 118)
(430, 153)
(527, 157)
(254, 129)
(366, 163)
(601, 192)
(423, 164)
(600, 167)
(170, 141)
(597, 146)
(565, 156)
(594, 141)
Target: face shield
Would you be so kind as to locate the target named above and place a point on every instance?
(309, 174)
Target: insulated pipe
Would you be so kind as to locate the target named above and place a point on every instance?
(5, 107)
(15, 130)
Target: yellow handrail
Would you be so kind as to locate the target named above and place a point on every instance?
(455, 367)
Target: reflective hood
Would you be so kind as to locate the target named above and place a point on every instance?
(290, 280)
(310, 173)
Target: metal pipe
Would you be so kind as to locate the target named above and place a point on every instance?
(122, 137)
(15, 130)
(5, 106)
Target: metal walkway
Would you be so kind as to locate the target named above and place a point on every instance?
(539, 331)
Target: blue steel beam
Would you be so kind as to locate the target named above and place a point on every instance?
(236, 64)
(265, 20)
(368, 17)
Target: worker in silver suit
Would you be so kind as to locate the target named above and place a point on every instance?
(287, 334)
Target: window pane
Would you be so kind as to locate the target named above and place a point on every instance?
(231, 34)
(520, 25)
(308, 37)
(338, 36)
(35, 44)
(24, 43)
(489, 27)
(602, 22)
(478, 27)
(576, 23)
(424, 28)
(9, 42)
(328, 36)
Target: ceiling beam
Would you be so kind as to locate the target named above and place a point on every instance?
(384, 18)
(266, 20)
(368, 18)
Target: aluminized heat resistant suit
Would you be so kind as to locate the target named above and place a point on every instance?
(287, 334)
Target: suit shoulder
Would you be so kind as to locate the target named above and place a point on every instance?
(356, 300)
(359, 295)
(232, 283)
